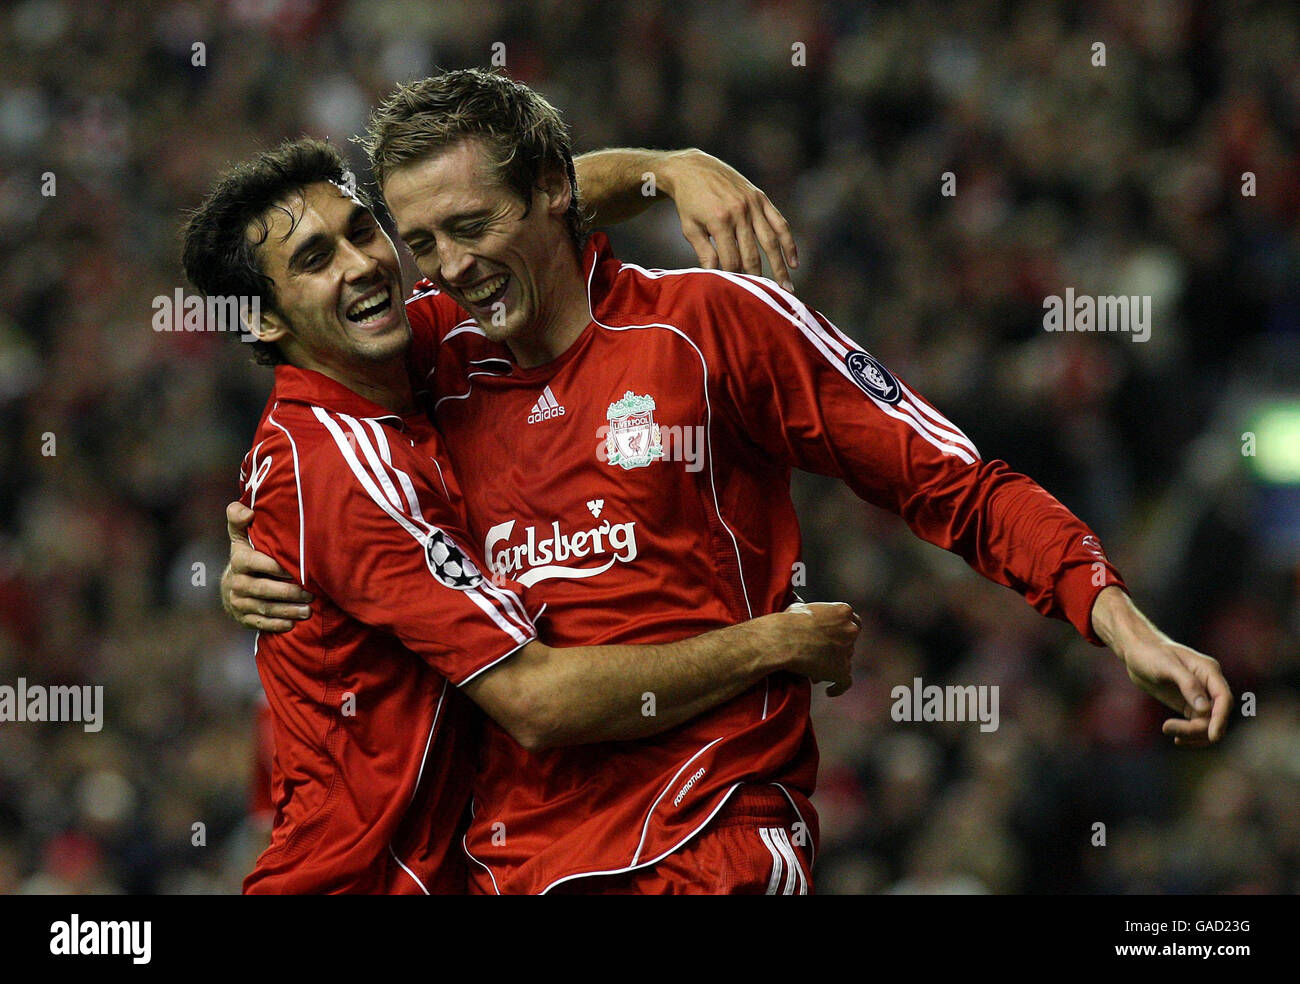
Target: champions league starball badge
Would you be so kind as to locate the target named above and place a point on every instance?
(448, 564)
(633, 439)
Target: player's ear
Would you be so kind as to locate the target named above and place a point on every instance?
(268, 326)
(555, 186)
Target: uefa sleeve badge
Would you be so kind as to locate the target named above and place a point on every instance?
(874, 379)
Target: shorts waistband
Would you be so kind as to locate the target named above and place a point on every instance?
(755, 804)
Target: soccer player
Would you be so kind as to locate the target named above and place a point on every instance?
(687, 397)
(373, 740)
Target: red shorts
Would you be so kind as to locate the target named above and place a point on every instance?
(754, 846)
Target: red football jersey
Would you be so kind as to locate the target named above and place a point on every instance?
(373, 742)
(261, 809)
(639, 485)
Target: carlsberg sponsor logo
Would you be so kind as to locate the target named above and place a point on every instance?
(544, 553)
(35, 702)
(75, 938)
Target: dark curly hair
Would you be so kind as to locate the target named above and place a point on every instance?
(219, 257)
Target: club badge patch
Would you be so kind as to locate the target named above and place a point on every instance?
(633, 439)
(448, 564)
(874, 378)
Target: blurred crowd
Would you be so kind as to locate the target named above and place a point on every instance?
(121, 444)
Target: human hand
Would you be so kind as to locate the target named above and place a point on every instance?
(256, 591)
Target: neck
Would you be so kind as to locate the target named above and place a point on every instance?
(387, 385)
(564, 314)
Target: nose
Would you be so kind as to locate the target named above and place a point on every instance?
(453, 260)
(360, 264)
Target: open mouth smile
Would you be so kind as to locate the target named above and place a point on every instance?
(489, 292)
(372, 307)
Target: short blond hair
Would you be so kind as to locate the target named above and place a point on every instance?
(524, 134)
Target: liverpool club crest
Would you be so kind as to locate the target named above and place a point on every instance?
(633, 438)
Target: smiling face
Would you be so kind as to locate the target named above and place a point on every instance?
(338, 287)
(507, 264)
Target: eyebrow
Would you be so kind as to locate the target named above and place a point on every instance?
(318, 239)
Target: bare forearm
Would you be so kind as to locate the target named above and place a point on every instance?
(728, 221)
(616, 185)
(1119, 623)
(1184, 680)
(547, 697)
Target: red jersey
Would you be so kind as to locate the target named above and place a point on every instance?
(639, 485)
(260, 806)
(373, 743)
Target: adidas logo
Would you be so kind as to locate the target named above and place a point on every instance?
(546, 407)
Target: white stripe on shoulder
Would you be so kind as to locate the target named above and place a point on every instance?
(510, 601)
(947, 438)
(504, 618)
(364, 477)
(840, 344)
(403, 479)
(507, 599)
(297, 481)
(361, 441)
(944, 425)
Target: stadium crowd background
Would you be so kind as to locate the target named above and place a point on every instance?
(1125, 178)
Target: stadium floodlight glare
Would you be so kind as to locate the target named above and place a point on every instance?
(1276, 427)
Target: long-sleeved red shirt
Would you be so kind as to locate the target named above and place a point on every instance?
(639, 485)
(373, 742)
